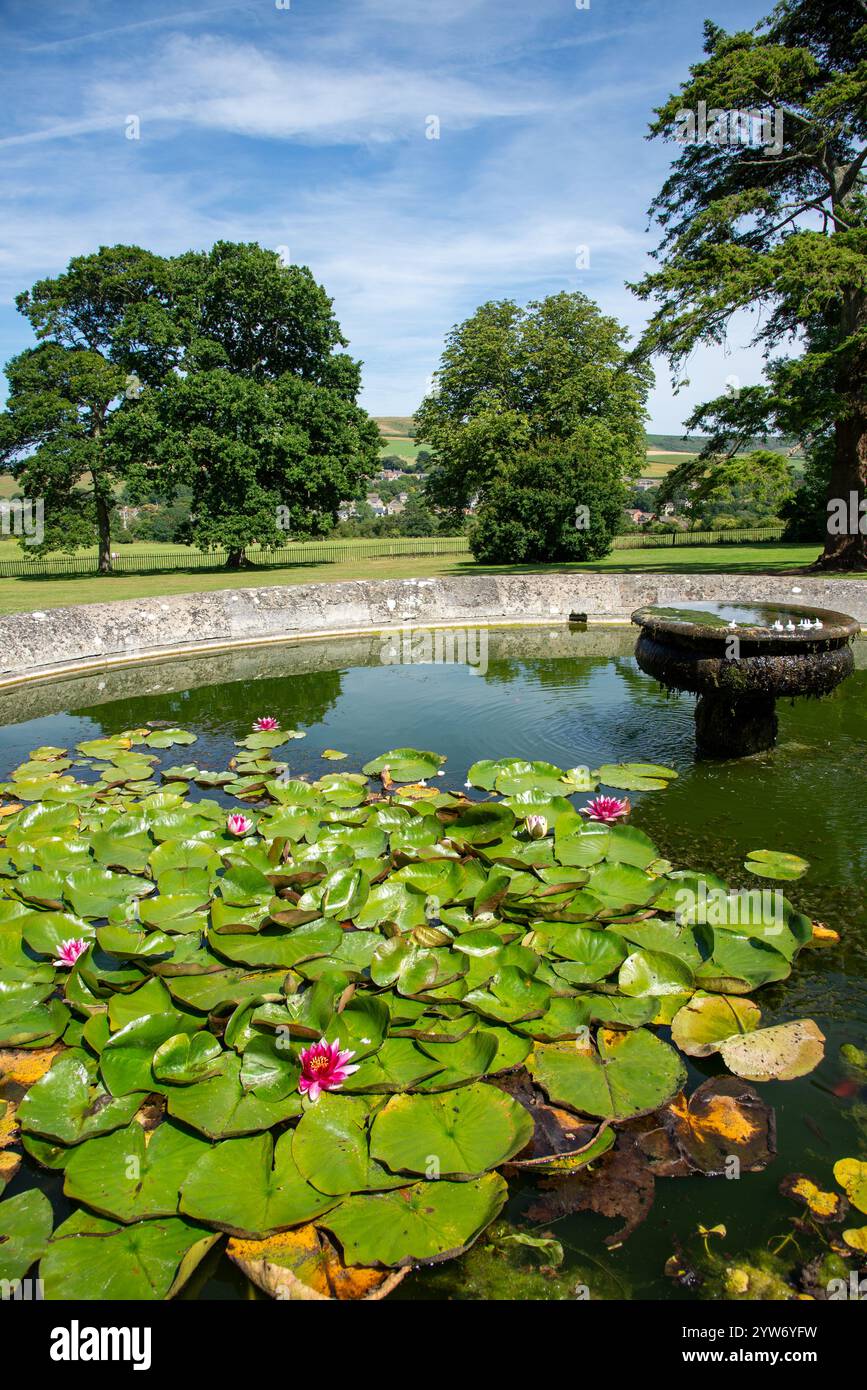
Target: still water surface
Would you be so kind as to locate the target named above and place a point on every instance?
(568, 698)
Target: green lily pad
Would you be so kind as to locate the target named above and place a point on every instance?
(125, 1061)
(251, 1187)
(168, 738)
(406, 764)
(771, 863)
(626, 1074)
(592, 954)
(654, 973)
(221, 1108)
(184, 1058)
(68, 1105)
(482, 824)
(91, 1258)
(331, 1147)
(131, 1177)
(426, 1222)
(458, 1133)
(463, 1060)
(709, 1019)
(635, 777)
(95, 891)
(269, 1069)
(25, 1226)
(396, 1066)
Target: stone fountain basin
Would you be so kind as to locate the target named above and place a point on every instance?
(689, 648)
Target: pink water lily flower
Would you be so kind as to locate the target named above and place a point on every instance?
(324, 1068)
(69, 951)
(237, 824)
(265, 723)
(607, 809)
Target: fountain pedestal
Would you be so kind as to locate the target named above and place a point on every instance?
(739, 660)
(734, 728)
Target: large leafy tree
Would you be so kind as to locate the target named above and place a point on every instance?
(561, 500)
(260, 417)
(513, 380)
(778, 225)
(103, 333)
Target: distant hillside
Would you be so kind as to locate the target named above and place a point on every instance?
(694, 443)
(396, 426)
(403, 427)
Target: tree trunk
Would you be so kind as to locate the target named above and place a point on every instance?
(236, 559)
(103, 522)
(846, 533)
(846, 536)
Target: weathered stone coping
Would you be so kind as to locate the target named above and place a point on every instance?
(60, 641)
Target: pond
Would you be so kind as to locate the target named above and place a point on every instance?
(570, 698)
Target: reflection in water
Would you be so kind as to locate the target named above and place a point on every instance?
(567, 697)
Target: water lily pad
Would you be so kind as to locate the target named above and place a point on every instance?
(396, 1066)
(624, 884)
(655, 974)
(68, 1105)
(781, 1053)
(823, 1206)
(277, 947)
(459, 1133)
(709, 1019)
(268, 1067)
(626, 1074)
(635, 777)
(125, 1061)
(426, 1222)
(304, 1265)
(168, 738)
(405, 764)
(130, 1176)
(25, 1226)
(771, 863)
(723, 1119)
(331, 1147)
(592, 954)
(95, 891)
(480, 825)
(510, 996)
(515, 775)
(740, 963)
(251, 1187)
(221, 1108)
(92, 1258)
(851, 1174)
(344, 893)
(184, 1058)
(463, 1060)
(856, 1238)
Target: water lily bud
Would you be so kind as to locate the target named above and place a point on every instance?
(537, 827)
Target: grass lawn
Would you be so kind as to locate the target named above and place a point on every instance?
(20, 595)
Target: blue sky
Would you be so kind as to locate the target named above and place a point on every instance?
(304, 126)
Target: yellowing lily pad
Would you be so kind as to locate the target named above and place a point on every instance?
(851, 1174)
(781, 1053)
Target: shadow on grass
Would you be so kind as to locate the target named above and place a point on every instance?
(662, 566)
(134, 572)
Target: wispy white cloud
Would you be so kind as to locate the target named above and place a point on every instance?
(106, 34)
(214, 84)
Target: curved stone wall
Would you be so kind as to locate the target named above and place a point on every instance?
(42, 645)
